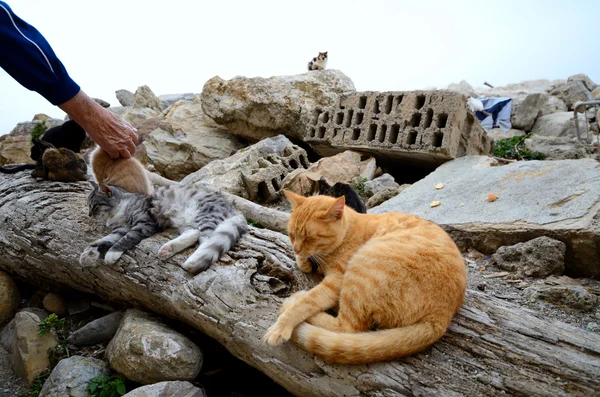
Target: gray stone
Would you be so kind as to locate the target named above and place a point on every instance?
(72, 375)
(167, 389)
(539, 257)
(187, 140)
(169, 99)
(587, 82)
(463, 88)
(228, 174)
(101, 102)
(383, 182)
(529, 110)
(258, 107)
(97, 331)
(558, 199)
(137, 116)
(570, 296)
(497, 133)
(558, 148)
(145, 98)
(146, 351)
(593, 327)
(596, 93)
(9, 298)
(558, 125)
(553, 105)
(572, 92)
(124, 97)
(384, 195)
(30, 350)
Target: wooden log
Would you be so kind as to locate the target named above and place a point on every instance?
(492, 348)
(267, 217)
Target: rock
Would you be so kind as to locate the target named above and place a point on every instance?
(383, 182)
(587, 82)
(72, 375)
(125, 97)
(55, 304)
(41, 117)
(558, 199)
(187, 140)
(261, 107)
(30, 351)
(571, 296)
(557, 148)
(572, 92)
(344, 167)
(15, 147)
(593, 327)
(170, 99)
(145, 98)
(138, 116)
(528, 111)
(558, 125)
(146, 351)
(241, 173)
(9, 298)
(539, 257)
(167, 389)
(553, 105)
(101, 102)
(463, 88)
(497, 133)
(97, 331)
(384, 195)
(596, 93)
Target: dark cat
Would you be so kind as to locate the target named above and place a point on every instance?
(340, 189)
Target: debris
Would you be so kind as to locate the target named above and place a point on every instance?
(561, 280)
(492, 197)
(439, 186)
(462, 204)
(474, 254)
(435, 204)
(481, 287)
(513, 281)
(496, 275)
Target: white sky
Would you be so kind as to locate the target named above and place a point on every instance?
(175, 46)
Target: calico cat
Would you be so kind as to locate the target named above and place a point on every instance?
(128, 174)
(199, 214)
(63, 163)
(398, 280)
(318, 63)
(340, 189)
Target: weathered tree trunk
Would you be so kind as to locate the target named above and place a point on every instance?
(493, 347)
(269, 218)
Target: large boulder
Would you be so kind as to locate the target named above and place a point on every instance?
(9, 298)
(145, 98)
(596, 93)
(72, 375)
(383, 182)
(136, 116)
(167, 389)
(528, 111)
(124, 97)
(587, 82)
(146, 351)
(169, 99)
(574, 297)
(261, 107)
(571, 92)
(255, 172)
(348, 166)
(558, 148)
(187, 140)
(99, 330)
(539, 257)
(15, 146)
(558, 199)
(555, 135)
(30, 349)
(559, 125)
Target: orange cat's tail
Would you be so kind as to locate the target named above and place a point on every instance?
(367, 347)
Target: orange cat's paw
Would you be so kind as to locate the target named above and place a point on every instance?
(304, 264)
(277, 334)
(290, 300)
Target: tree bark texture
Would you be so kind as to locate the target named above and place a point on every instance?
(493, 347)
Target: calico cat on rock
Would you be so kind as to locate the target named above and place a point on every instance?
(396, 279)
(198, 213)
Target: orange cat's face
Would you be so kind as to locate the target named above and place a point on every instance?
(316, 225)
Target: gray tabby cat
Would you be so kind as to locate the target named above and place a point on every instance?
(200, 214)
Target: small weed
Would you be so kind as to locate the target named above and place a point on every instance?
(36, 386)
(514, 148)
(38, 130)
(255, 224)
(106, 386)
(49, 323)
(52, 322)
(358, 184)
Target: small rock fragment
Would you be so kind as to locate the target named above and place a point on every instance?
(492, 197)
(439, 186)
(435, 204)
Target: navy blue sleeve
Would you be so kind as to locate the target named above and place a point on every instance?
(29, 59)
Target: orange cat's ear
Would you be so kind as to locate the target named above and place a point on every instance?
(294, 199)
(336, 210)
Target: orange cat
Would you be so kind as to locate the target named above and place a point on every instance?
(398, 280)
(128, 174)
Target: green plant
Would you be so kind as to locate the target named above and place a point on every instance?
(49, 323)
(255, 224)
(38, 130)
(358, 184)
(106, 386)
(36, 386)
(52, 322)
(514, 148)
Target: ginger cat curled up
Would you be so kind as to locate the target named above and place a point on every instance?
(398, 281)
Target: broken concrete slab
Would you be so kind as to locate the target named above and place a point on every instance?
(558, 199)
(425, 128)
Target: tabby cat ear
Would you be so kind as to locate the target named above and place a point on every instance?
(336, 211)
(294, 199)
(106, 190)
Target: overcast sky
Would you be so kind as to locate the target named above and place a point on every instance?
(175, 46)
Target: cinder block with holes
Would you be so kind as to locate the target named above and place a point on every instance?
(423, 128)
(263, 179)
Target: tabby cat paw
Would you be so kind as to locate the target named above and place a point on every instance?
(112, 256)
(89, 256)
(277, 334)
(304, 264)
(165, 252)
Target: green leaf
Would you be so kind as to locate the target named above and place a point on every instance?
(121, 389)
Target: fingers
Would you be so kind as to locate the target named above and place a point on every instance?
(113, 153)
(124, 154)
(133, 134)
(131, 146)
